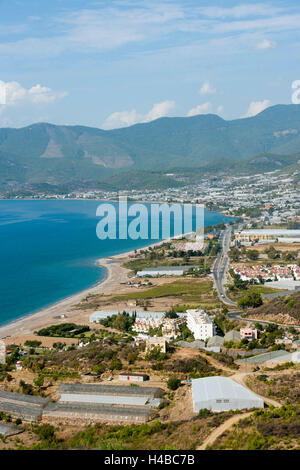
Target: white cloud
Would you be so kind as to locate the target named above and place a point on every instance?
(128, 118)
(121, 119)
(43, 94)
(207, 89)
(240, 11)
(257, 107)
(204, 108)
(265, 45)
(20, 105)
(220, 109)
(111, 25)
(38, 94)
(159, 110)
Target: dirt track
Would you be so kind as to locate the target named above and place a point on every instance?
(239, 377)
(221, 429)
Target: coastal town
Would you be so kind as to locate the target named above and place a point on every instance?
(149, 231)
(173, 338)
(273, 198)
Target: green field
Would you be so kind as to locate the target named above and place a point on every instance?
(184, 288)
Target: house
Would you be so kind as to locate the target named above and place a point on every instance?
(133, 377)
(157, 341)
(249, 333)
(286, 340)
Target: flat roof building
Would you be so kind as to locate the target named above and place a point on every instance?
(157, 341)
(26, 407)
(282, 235)
(200, 324)
(262, 358)
(88, 413)
(111, 390)
(133, 377)
(165, 271)
(102, 314)
(222, 394)
(7, 430)
(249, 333)
(2, 352)
(96, 402)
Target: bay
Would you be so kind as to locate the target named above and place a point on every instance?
(48, 251)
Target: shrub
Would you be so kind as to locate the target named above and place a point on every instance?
(173, 383)
(46, 432)
(115, 364)
(204, 413)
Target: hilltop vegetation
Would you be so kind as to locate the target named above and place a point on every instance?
(283, 310)
(283, 386)
(45, 157)
(266, 429)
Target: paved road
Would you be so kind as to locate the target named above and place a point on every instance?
(275, 295)
(219, 272)
(236, 316)
(221, 266)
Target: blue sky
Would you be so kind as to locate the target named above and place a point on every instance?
(114, 63)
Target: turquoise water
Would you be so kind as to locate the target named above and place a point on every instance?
(48, 251)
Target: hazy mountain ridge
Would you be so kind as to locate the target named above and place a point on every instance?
(49, 154)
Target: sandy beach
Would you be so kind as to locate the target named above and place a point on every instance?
(115, 274)
(23, 328)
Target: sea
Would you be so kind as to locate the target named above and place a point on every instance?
(48, 251)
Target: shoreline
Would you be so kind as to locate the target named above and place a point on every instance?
(45, 316)
(114, 275)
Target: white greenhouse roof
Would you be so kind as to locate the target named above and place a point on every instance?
(105, 399)
(214, 388)
(167, 268)
(278, 231)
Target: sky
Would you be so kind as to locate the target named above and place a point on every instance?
(115, 63)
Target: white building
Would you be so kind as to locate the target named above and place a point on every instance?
(200, 324)
(2, 352)
(164, 271)
(222, 394)
(282, 235)
(140, 314)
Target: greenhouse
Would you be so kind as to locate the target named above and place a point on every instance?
(222, 394)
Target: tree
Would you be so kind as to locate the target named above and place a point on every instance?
(39, 381)
(272, 253)
(115, 364)
(252, 299)
(252, 254)
(46, 432)
(171, 313)
(173, 383)
(155, 354)
(32, 343)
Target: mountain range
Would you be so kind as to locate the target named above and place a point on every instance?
(49, 156)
